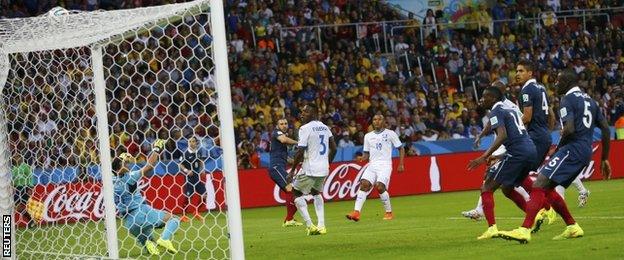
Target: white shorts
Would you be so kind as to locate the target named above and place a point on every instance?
(378, 173)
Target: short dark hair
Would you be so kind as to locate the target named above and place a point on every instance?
(313, 108)
(116, 164)
(527, 64)
(569, 75)
(498, 94)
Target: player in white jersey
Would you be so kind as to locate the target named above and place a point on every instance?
(378, 146)
(316, 148)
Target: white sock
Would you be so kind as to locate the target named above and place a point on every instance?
(561, 190)
(302, 207)
(320, 210)
(479, 207)
(579, 185)
(360, 199)
(385, 199)
(523, 192)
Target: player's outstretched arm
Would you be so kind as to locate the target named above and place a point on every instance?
(606, 136)
(286, 140)
(157, 148)
(501, 135)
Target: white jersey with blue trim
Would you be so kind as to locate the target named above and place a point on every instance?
(379, 146)
(314, 137)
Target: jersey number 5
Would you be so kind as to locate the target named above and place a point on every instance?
(587, 116)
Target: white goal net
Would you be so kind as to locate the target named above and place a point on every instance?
(81, 89)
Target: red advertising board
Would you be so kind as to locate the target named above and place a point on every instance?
(54, 203)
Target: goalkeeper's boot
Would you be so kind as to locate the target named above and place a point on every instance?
(322, 230)
(167, 245)
(582, 199)
(571, 231)
(472, 214)
(355, 216)
(539, 220)
(152, 249)
(521, 234)
(388, 216)
(551, 215)
(292, 223)
(491, 232)
(312, 230)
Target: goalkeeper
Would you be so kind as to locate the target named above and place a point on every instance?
(138, 217)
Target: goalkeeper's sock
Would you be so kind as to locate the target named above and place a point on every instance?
(302, 206)
(170, 228)
(320, 210)
(479, 207)
(579, 185)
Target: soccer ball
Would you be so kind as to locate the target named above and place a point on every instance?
(57, 11)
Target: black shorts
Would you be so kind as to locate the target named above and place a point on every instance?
(511, 170)
(21, 195)
(564, 166)
(194, 185)
(278, 175)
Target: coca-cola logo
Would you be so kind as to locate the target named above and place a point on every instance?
(61, 204)
(336, 184)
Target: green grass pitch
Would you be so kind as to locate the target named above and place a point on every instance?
(425, 227)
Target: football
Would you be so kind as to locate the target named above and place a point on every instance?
(57, 11)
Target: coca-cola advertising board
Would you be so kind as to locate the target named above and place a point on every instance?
(442, 173)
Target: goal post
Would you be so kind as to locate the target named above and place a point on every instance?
(81, 88)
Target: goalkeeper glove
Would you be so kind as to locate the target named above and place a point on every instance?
(158, 145)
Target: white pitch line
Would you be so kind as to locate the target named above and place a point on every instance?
(587, 217)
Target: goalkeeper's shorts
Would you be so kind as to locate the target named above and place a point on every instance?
(144, 217)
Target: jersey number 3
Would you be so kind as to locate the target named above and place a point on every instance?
(323, 145)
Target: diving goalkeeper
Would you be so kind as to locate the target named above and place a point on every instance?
(138, 217)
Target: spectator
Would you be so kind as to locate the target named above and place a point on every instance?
(345, 141)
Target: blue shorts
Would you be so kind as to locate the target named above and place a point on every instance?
(194, 185)
(564, 166)
(542, 145)
(144, 217)
(511, 170)
(278, 175)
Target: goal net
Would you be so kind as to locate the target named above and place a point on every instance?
(80, 89)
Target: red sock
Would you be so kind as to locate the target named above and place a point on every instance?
(518, 199)
(535, 204)
(487, 198)
(291, 209)
(527, 184)
(560, 206)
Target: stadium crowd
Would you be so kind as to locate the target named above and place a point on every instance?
(277, 66)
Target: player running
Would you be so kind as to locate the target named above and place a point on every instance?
(277, 168)
(378, 145)
(138, 217)
(516, 164)
(316, 148)
(579, 115)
